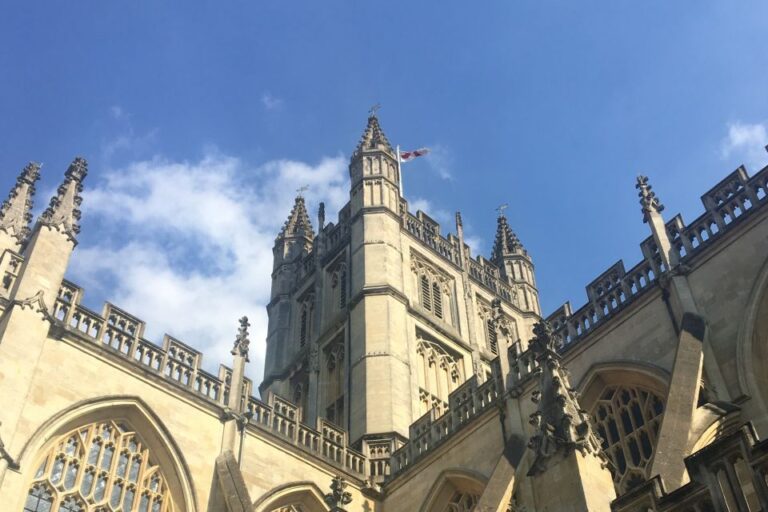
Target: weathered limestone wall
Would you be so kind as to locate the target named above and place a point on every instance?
(473, 452)
(68, 373)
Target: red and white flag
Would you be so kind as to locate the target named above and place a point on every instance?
(407, 156)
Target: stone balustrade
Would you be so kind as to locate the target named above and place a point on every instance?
(729, 201)
(464, 404)
(174, 361)
(730, 474)
(327, 441)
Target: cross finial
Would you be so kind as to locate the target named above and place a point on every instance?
(374, 110)
(500, 209)
(300, 191)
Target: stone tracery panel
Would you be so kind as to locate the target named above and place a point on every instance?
(439, 371)
(627, 419)
(103, 466)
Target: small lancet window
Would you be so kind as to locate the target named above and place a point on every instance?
(493, 342)
(343, 288)
(437, 300)
(426, 294)
(303, 328)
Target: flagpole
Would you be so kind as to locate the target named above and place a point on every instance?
(399, 172)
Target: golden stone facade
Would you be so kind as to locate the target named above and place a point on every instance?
(402, 373)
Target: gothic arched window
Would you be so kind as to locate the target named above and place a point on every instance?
(462, 502)
(491, 336)
(437, 300)
(426, 294)
(101, 466)
(628, 420)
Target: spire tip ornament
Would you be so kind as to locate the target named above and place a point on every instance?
(648, 200)
(63, 212)
(242, 341)
(15, 212)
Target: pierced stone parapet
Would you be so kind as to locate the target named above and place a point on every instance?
(176, 362)
(327, 441)
(734, 198)
(122, 334)
(467, 402)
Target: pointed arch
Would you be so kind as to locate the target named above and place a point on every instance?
(752, 343)
(453, 489)
(132, 410)
(303, 496)
(626, 402)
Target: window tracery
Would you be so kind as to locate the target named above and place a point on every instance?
(439, 374)
(339, 285)
(462, 502)
(507, 328)
(628, 419)
(103, 466)
(434, 289)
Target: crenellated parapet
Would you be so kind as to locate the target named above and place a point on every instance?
(122, 334)
(481, 271)
(180, 365)
(466, 403)
(727, 203)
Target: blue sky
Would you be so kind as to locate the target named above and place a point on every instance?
(200, 119)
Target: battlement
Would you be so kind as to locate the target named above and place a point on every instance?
(123, 333)
(480, 270)
(180, 364)
(735, 198)
(467, 402)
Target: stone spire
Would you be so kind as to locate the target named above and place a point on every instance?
(648, 200)
(506, 242)
(15, 211)
(298, 223)
(373, 138)
(242, 341)
(561, 425)
(63, 213)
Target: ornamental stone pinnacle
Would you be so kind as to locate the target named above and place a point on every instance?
(373, 137)
(338, 497)
(15, 212)
(63, 213)
(560, 424)
(298, 223)
(648, 200)
(506, 241)
(242, 342)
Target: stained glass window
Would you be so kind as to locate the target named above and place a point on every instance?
(96, 467)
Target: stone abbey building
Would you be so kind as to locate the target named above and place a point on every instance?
(403, 374)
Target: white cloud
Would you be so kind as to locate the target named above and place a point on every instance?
(187, 246)
(271, 102)
(126, 140)
(440, 160)
(747, 143)
(475, 244)
(444, 217)
(117, 112)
